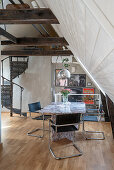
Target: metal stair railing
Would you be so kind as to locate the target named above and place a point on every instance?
(11, 84)
(17, 60)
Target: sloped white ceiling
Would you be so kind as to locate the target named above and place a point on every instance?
(107, 7)
(87, 39)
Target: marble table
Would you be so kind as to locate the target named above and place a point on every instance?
(56, 108)
(60, 108)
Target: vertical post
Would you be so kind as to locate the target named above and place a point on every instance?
(110, 108)
(0, 94)
(18, 66)
(53, 81)
(105, 108)
(27, 61)
(2, 68)
(11, 93)
(2, 89)
(21, 102)
(2, 74)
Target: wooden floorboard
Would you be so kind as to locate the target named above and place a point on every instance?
(22, 152)
(1, 146)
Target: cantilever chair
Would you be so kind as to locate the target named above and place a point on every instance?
(65, 123)
(34, 108)
(90, 112)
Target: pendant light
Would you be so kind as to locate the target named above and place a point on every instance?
(64, 73)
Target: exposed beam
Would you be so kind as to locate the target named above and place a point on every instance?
(8, 35)
(17, 6)
(36, 52)
(27, 16)
(13, 5)
(42, 41)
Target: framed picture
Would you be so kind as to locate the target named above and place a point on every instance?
(89, 84)
(60, 82)
(77, 80)
(88, 99)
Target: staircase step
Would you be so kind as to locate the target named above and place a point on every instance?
(6, 104)
(14, 75)
(6, 86)
(6, 82)
(19, 64)
(18, 67)
(24, 114)
(18, 111)
(5, 90)
(5, 93)
(5, 98)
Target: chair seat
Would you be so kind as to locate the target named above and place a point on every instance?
(41, 117)
(36, 112)
(65, 128)
(91, 118)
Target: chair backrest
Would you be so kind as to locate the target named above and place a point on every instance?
(34, 106)
(67, 119)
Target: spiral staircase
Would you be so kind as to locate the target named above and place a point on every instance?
(18, 65)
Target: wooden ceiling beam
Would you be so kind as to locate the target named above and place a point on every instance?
(17, 6)
(8, 35)
(27, 16)
(36, 52)
(42, 41)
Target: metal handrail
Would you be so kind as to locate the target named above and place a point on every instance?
(13, 82)
(4, 59)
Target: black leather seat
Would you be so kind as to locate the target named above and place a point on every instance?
(66, 119)
(34, 108)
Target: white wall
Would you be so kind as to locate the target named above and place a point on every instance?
(36, 82)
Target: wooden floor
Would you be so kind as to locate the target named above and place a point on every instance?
(22, 152)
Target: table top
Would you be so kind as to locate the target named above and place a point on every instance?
(61, 108)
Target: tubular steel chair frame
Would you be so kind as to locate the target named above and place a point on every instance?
(35, 130)
(50, 148)
(84, 132)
